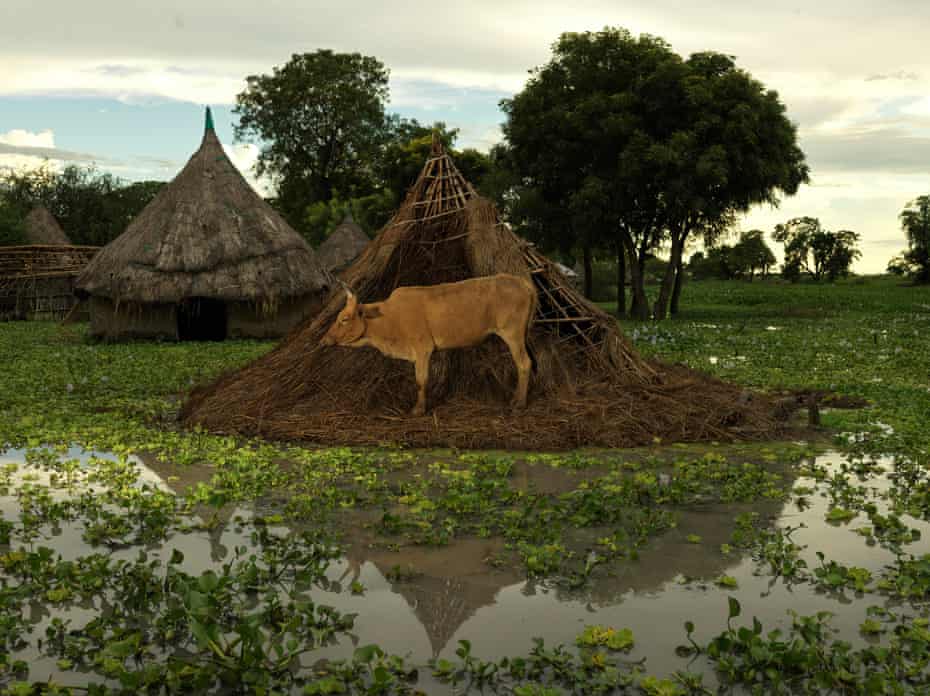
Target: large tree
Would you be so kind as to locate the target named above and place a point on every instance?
(915, 262)
(321, 122)
(637, 147)
(811, 249)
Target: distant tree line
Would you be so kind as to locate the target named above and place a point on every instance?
(92, 207)
(748, 258)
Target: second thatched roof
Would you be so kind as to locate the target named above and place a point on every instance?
(343, 246)
(43, 228)
(206, 234)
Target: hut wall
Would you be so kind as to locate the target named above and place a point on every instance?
(132, 321)
(246, 321)
(48, 299)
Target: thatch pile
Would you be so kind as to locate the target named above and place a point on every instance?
(343, 246)
(589, 386)
(43, 228)
(206, 236)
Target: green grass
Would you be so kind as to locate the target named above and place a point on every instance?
(863, 337)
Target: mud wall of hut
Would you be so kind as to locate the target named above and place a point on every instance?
(132, 320)
(247, 321)
(244, 319)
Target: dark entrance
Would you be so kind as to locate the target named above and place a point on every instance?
(201, 319)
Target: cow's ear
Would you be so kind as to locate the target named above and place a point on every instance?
(369, 312)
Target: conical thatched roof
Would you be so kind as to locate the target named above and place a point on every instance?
(206, 234)
(43, 228)
(343, 246)
(588, 387)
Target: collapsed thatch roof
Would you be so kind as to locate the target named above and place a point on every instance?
(206, 234)
(589, 386)
(43, 228)
(343, 246)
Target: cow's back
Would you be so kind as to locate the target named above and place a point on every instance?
(462, 314)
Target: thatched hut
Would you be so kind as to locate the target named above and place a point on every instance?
(207, 259)
(37, 278)
(343, 246)
(589, 386)
(43, 228)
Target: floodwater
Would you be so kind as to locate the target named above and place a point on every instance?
(456, 595)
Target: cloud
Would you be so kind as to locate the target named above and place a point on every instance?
(22, 149)
(876, 147)
(23, 138)
(118, 70)
(899, 75)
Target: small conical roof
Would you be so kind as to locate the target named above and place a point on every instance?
(343, 246)
(440, 189)
(206, 234)
(43, 228)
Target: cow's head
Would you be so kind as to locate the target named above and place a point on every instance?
(349, 325)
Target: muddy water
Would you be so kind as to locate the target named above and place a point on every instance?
(456, 595)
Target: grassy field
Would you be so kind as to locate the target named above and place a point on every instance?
(566, 521)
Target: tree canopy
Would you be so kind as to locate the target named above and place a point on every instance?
(395, 170)
(915, 261)
(321, 122)
(622, 144)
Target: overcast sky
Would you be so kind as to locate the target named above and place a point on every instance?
(122, 82)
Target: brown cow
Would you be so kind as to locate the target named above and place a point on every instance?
(416, 320)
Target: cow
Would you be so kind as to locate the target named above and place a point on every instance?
(417, 320)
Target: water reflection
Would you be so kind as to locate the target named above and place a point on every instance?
(420, 601)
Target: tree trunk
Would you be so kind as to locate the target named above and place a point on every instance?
(660, 309)
(588, 273)
(621, 280)
(679, 281)
(640, 308)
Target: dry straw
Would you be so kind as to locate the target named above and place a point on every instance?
(42, 228)
(343, 246)
(589, 386)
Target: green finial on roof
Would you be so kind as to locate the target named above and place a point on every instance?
(209, 124)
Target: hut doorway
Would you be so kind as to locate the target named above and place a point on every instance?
(201, 319)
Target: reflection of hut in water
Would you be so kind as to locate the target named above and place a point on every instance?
(37, 279)
(343, 246)
(448, 584)
(207, 259)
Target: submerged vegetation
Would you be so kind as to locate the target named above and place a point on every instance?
(226, 569)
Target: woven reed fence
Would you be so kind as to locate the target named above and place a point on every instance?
(37, 280)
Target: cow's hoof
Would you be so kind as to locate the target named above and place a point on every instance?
(418, 412)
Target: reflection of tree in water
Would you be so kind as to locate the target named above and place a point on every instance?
(670, 555)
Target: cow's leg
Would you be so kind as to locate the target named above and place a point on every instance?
(421, 367)
(524, 365)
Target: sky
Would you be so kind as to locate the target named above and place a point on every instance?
(122, 83)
